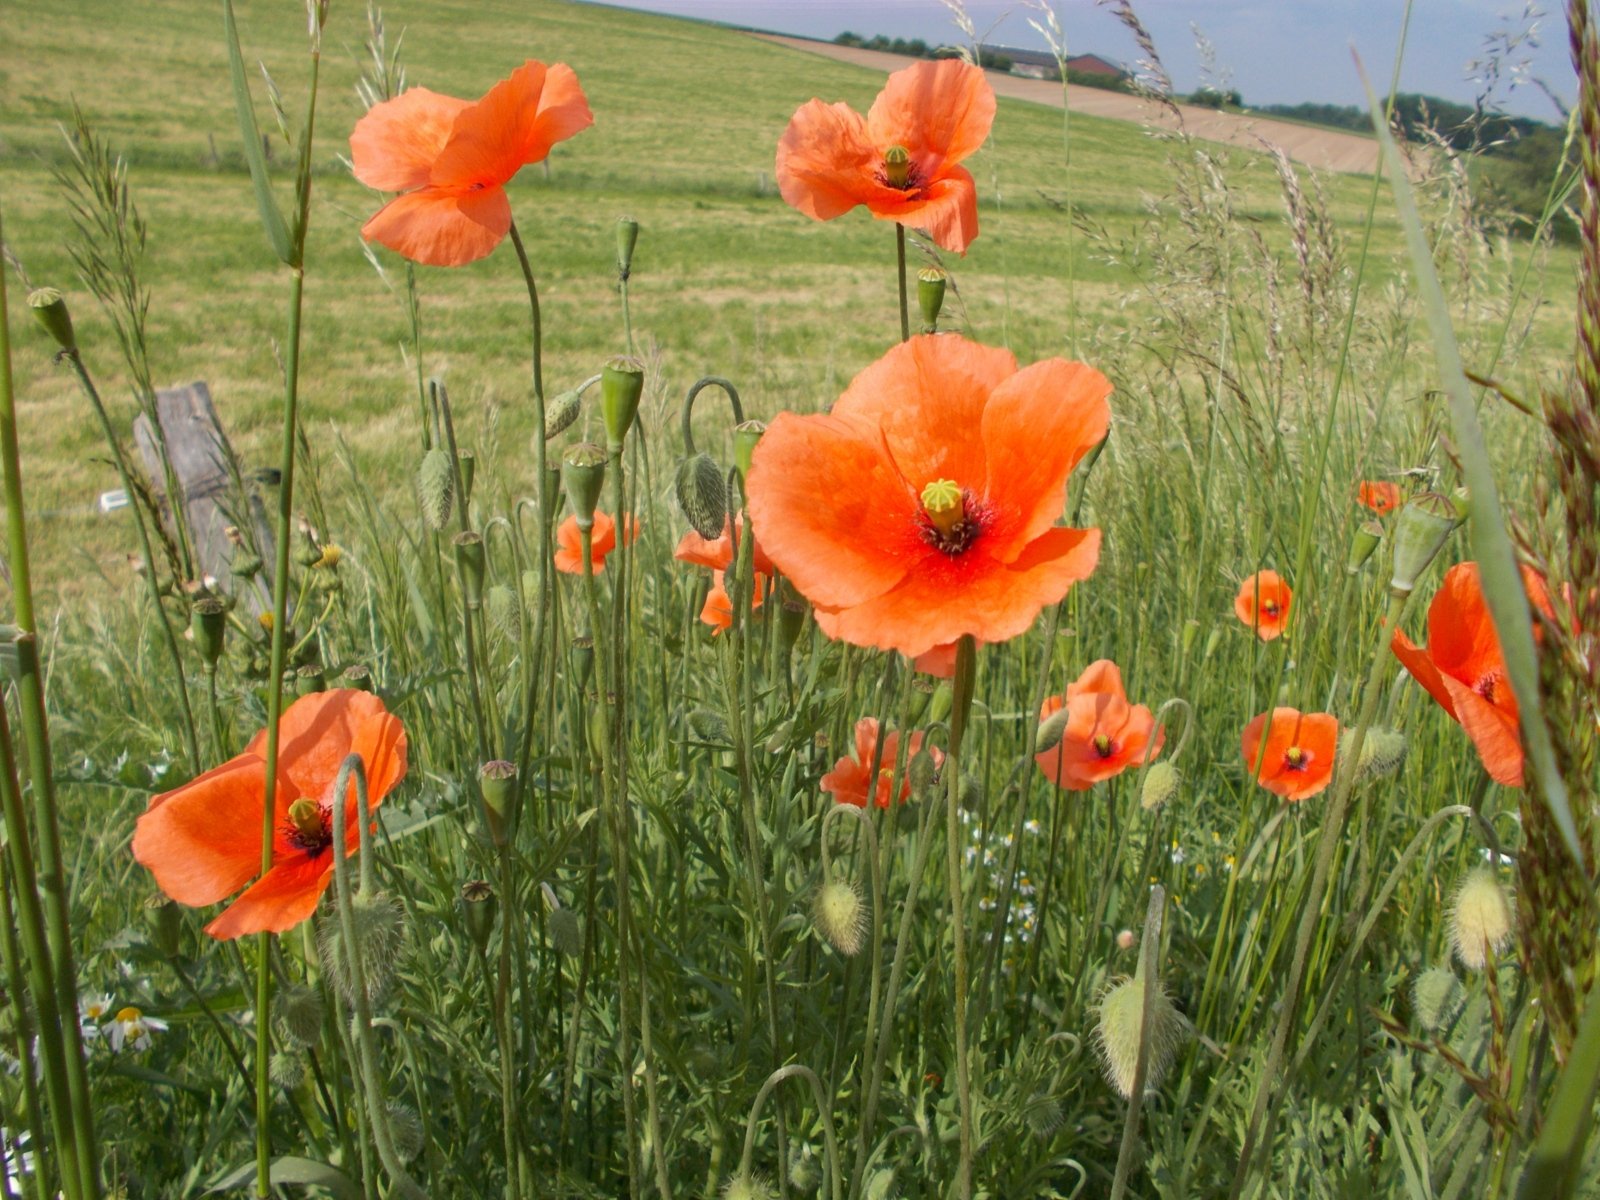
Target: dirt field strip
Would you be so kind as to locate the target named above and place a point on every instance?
(1320, 149)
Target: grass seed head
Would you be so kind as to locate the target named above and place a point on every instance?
(1480, 918)
(436, 489)
(841, 916)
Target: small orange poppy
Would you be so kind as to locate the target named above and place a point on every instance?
(1380, 496)
(900, 160)
(1298, 760)
(1464, 669)
(202, 841)
(569, 544)
(717, 553)
(450, 160)
(924, 506)
(940, 662)
(849, 781)
(1263, 604)
(1104, 736)
(718, 608)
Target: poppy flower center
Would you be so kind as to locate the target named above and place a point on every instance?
(1296, 759)
(1269, 608)
(308, 827)
(898, 171)
(949, 522)
(1103, 746)
(1485, 687)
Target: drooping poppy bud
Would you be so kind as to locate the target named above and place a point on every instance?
(841, 916)
(436, 489)
(1118, 1033)
(165, 924)
(561, 411)
(1436, 998)
(1480, 918)
(702, 495)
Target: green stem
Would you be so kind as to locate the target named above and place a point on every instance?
(23, 1029)
(966, 654)
(900, 262)
(824, 1112)
(1149, 958)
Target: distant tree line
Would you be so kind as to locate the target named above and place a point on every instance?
(917, 48)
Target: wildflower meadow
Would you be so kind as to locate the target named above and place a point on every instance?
(745, 628)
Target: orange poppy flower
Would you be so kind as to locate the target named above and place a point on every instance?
(1263, 604)
(450, 160)
(718, 608)
(717, 553)
(849, 782)
(1380, 496)
(569, 545)
(1464, 669)
(900, 160)
(1298, 761)
(923, 507)
(1105, 735)
(202, 841)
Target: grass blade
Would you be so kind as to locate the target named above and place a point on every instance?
(271, 218)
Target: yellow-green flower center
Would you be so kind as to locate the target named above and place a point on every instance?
(941, 500)
(1102, 745)
(1296, 757)
(897, 167)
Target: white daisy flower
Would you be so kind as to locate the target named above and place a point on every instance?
(131, 1028)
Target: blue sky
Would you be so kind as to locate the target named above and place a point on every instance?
(1273, 51)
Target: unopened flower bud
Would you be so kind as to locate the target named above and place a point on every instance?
(791, 622)
(436, 489)
(702, 495)
(922, 771)
(745, 436)
(50, 310)
(405, 1130)
(1121, 1016)
(747, 1186)
(1424, 524)
(583, 661)
(1051, 730)
(1382, 752)
(627, 239)
(478, 906)
(1436, 997)
(805, 1172)
(286, 1070)
(943, 700)
(621, 386)
(583, 474)
(561, 411)
(497, 781)
(379, 929)
(841, 917)
(471, 561)
(300, 1010)
(1161, 783)
(165, 923)
(1367, 536)
(566, 932)
(245, 565)
(931, 283)
(1480, 918)
(208, 620)
(500, 604)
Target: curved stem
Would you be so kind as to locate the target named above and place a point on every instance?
(829, 1141)
(695, 389)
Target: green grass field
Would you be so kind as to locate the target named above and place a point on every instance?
(656, 955)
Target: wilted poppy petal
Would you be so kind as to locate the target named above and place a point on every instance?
(440, 227)
(1037, 427)
(946, 207)
(825, 163)
(279, 900)
(392, 148)
(202, 842)
(1493, 730)
(515, 123)
(941, 111)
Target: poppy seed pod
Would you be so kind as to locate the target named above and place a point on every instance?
(478, 906)
(208, 620)
(627, 239)
(467, 461)
(309, 680)
(50, 310)
(702, 495)
(745, 436)
(1367, 536)
(561, 411)
(583, 474)
(931, 283)
(471, 559)
(621, 386)
(1480, 919)
(165, 924)
(436, 489)
(497, 782)
(1436, 998)
(841, 917)
(1420, 533)
(356, 676)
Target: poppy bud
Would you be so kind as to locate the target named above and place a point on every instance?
(405, 1130)
(1367, 536)
(627, 238)
(1121, 1015)
(471, 561)
(478, 906)
(500, 603)
(621, 386)
(299, 1011)
(287, 1071)
(921, 771)
(708, 726)
(702, 495)
(436, 489)
(1043, 1114)
(50, 310)
(467, 461)
(805, 1172)
(371, 959)
(791, 622)
(583, 474)
(943, 701)
(561, 411)
(165, 924)
(208, 620)
(307, 553)
(356, 676)
(583, 661)
(1161, 783)
(930, 296)
(566, 931)
(1480, 918)
(1051, 730)
(497, 781)
(1425, 523)
(745, 1186)
(841, 917)
(245, 565)
(1436, 998)
(1382, 752)
(745, 436)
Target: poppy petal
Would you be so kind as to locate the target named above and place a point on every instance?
(1420, 667)
(1493, 731)
(280, 900)
(515, 123)
(318, 732)
(1461, 636)
(816, 485)
(947, 208)
(941, 111)
(202, 842)
(1036, 429)
(442, 227)
(393, 147)
(826, 165)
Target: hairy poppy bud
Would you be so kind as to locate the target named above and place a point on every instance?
(405, 1128)
(1121, 1015)
(930, 296)
(1367, 536)
(286, 1070)
(922, 770)
(436, 489)
(478, 906)
(566, 931)
(746, 1186)
(583, 474)
(470, 558)
(627, 239)
(745, 436)
(300, 1014)
(805, 1172)
(1051, 730)
(841, 917)
(621, 386)
(1436, 998)
(1480, 918)
(1425, 523)
(497, 781)
(371, 959)
(165, 924)
(500, 603)
(791, 621)
(208, 620)
(943, 701)
(702, 495)
(50, 310)
(1161, 783)
(1382, 752)
(561, 411)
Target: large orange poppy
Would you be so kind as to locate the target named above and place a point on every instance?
(1464, 669)
(1104, 735)
(451, 159)
(901, 159)
(603, 540)
(202, 841)
(851, 781)
(1263, 604)
(923, 507)
(1298, 760)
